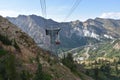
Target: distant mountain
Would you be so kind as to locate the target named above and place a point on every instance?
(73, 34)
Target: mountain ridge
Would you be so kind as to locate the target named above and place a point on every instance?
(97, 29)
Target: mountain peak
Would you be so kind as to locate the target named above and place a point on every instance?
(22, 16)
(70, 31)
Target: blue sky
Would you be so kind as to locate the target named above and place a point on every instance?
(59, 9)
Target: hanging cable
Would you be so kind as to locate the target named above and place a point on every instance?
(75, 5)
(43, 11)
(44, 15)
(43, 8)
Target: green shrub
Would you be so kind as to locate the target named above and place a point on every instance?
(2, 52)
(40, 75)
(68, 61)
(25, 75)
(7, 67)
(5, 40)
(16, 46)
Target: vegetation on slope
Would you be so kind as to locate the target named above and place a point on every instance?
(5, 40)
(21, 59)
(104, 70)
(74, 67)
(103, 62)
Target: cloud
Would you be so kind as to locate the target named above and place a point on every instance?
(10, 13)
(113, 15)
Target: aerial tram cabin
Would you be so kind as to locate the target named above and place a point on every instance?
(54, 35)
(54, 39)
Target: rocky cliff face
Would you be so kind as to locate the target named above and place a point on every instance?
(72, 34)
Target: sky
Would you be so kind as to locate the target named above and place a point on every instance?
(59, 9)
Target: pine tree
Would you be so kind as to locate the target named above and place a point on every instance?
(39, 73)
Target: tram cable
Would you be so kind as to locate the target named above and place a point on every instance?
(43, 8)
(75, 5)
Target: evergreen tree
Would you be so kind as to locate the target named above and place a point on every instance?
(39, 73)
(25, 75)
(116, 68)
(106, 69)
(96, 72)
(10, 67)
(16, 46)
(68, 61)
